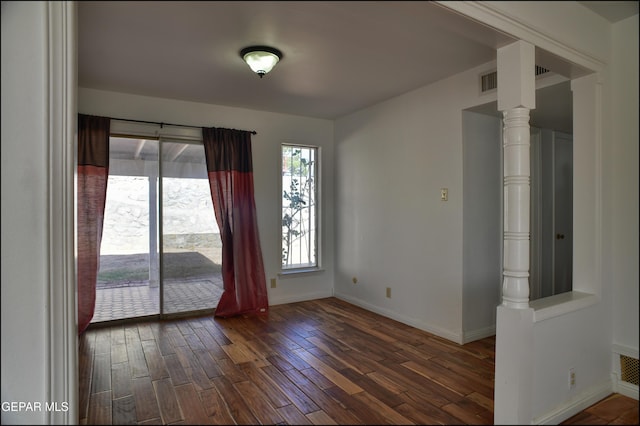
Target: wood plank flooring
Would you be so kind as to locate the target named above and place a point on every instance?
(317, 362)
(616, 409)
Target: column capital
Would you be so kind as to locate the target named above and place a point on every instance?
(516, 76)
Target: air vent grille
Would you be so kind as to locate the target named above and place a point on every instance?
(629, 369)
(489, 81)
(540, 70)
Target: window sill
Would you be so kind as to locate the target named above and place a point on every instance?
(299, 271)
(561, 304)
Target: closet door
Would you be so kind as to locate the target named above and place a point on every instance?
(191, 248)
(563, 213)
(551, 213)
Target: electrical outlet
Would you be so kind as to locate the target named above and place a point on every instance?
(273, 283)
(572, 378)
(354, 280)
(389, 292)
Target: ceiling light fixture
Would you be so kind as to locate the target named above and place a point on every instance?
(261, 59)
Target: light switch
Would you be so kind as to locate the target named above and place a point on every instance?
(444, 194)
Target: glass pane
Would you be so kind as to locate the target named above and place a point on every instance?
(191, 245)
(299, 239)
(127, 283)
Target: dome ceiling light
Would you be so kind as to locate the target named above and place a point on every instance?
(261, 59)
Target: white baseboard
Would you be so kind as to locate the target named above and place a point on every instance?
(445, 334)
(481, 333)
(619, 386)
(575, 405)
(299, 298)
(626, 389)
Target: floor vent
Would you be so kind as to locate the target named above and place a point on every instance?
(489, 81)
(629, 369)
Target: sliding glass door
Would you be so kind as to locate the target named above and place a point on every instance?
(191, 245)
(128, 279)
(160, 250)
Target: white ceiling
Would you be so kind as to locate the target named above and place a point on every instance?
(338, 56)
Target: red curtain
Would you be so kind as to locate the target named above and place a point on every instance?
(230, 171)
(93, 172)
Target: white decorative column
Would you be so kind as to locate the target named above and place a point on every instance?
(517, 184)
(516, 96)
(513, 398)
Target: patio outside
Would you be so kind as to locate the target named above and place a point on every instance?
(128, 279)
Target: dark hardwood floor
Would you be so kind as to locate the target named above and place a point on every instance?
(616, 409)
(317, 362)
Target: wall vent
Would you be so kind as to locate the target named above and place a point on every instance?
(540, 70)
(629, 369)
(489, 81)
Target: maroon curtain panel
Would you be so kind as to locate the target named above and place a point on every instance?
(93, 172)
(230, 171)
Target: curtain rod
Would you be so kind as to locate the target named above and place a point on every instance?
(253, 132)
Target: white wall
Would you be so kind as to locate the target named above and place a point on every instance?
(624, 184)
(580, 340)
(273, 129)
(392, 230)
(482, 225)
(25, 253)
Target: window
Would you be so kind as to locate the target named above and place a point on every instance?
(299, 207)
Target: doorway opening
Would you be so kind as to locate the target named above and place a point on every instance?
(551, 249)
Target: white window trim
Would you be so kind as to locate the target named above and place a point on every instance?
(284, 272)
